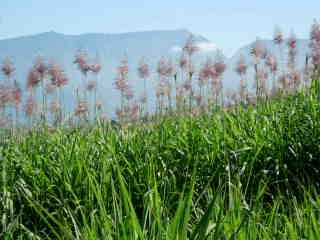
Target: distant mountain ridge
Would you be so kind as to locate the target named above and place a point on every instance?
(111, 49)
(231, 76)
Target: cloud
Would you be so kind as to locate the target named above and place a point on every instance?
(203, 47)
(207, 46)
(176, 49)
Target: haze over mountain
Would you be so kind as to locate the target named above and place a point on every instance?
(232, 79)
(110, 49)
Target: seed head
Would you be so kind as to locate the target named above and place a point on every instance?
(198, 99)
(81, 108)
(143, 70)
(134, 112)
(208, 70)
(165, 68)
(54, 107)
(99, 105)
(183, 61)
(187, 86)
(123, 69)
(284, 81)
(49, 88)
(292, 45)
(241, 67)
(41, 67)
(128, 94)
(219, 67)
(7, 67)
(190, 46)
(30, 106)
(4, 121)
(271, 62)
(120, 113)
(81, 61)
(292, 41)
(262, 77)
(5, 95)
(295, 78)
(121, 83)
(33, 79)
(143, 97)
(315, 43)
(92, 84)
(278, 36)
(16, 93)
(315, 32)
(95, 68)
(258, 50)
(58, 77)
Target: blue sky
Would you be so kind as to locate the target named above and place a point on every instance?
(229, 24)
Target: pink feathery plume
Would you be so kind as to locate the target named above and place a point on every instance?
(120, 113)
(183, 61)
(16, 94)
(198, 99)
(95, 68)
(272, 63)
(7, 67)
(49, 88)
(81, 108)
(41, 67)
(128, 93)
(262, 76)
(57, 75)
(81, 61)
(292, 45)
(121, 83)
(143, 98)
(315, 43)
(258, 50)
(30, 106)
(92, 84)
(190, 46)
(161, 69)
(99, 105)
(220, 67)
(241, 66)
(5, 95)
(186, 86)
(295, 79)
(54, 107)
(208, 70)
(165, 68)
(143, 69)
(284, 81)
(123, 69)
(292, 41)
(134, 112)
(278, 36)
(33, 79)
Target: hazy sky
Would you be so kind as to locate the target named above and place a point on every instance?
(229, 24)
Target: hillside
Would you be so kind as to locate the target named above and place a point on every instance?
(218, 177)
(109, 48)
(230, 75)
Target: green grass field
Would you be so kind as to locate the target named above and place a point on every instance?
(241, 173)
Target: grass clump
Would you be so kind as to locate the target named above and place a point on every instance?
(243, 173)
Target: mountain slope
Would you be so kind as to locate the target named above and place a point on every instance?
(232, 79)
(110, 49)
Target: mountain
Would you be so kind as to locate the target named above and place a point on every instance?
(109, 48)
(231, 79)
